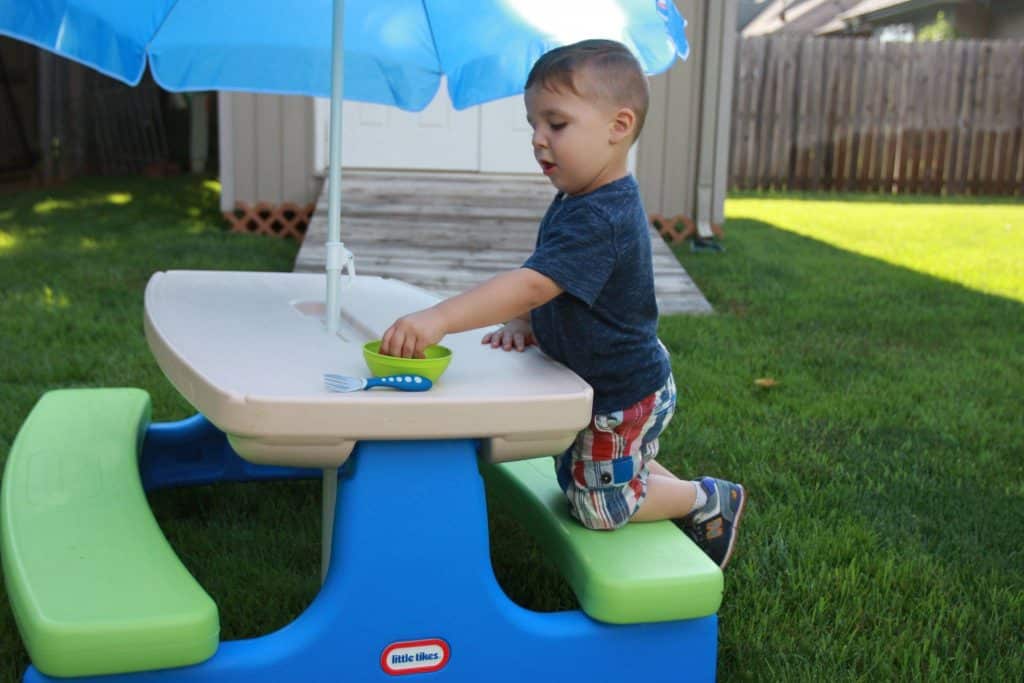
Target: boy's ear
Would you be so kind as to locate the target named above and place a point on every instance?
(623, 125)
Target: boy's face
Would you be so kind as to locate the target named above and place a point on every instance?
(580, 143)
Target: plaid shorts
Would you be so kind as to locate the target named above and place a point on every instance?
(604, 472)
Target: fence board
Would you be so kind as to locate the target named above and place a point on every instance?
(981, 120)
(937, 118)
(874, 105)
(925, 73)
(779, 65)
(750, 121)
(763, 120)
(839, 109)
(913, 126)
(958, 80)
(829, 131)
(891, 118)
(808, 113)
(787, 112)
(863, 98)
(1016, 179)
(964, 119)
(1008, 104)
(769, 97)
(742, 117)
(854, 114)
(956, 63)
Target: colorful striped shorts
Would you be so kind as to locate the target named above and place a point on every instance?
(604, 472)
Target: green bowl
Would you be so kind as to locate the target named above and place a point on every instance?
(431, 367)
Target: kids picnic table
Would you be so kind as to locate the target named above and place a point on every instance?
(408, 587)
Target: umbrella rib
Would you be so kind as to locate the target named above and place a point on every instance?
(163, 21)
(433, 40)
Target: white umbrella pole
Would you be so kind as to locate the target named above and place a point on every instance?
(335, 249)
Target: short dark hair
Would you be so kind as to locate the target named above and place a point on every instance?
(622, 80)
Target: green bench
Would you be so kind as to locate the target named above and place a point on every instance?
(94, 586)
(637, 574)
(96, 589)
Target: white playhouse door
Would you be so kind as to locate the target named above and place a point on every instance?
(493, 138)
(438, 137)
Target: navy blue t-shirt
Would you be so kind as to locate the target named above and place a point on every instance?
(604, 326)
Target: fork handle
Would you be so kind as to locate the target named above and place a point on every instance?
(400, 382)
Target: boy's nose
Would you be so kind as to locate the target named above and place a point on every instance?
(538, 140)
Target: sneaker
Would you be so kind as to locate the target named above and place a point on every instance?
(714, 526)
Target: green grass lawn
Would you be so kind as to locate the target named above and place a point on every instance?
(886, 467)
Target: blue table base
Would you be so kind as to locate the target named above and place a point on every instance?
(411, 585)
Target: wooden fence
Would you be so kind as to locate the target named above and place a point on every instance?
(862, 115)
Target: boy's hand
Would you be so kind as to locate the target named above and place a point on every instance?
(506, 295)
(516, 333)
(409, 335)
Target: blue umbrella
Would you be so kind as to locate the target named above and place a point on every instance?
(392, 52)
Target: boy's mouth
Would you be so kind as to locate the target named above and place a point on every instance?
(547, 167)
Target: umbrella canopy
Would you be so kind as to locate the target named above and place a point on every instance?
(395, 51)
(392, 52)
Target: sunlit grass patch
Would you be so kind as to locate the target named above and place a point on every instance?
(49, 205)
(53, 300)
(83, 201)
(974, 243)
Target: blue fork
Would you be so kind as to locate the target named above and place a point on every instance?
(344, 384)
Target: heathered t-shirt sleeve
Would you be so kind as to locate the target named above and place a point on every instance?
(577, 252)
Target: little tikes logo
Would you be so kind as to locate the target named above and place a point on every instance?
(415, 656)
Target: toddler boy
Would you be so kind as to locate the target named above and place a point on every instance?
(586, 297)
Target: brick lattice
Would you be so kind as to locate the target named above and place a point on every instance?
(280, 220)
(677, 229)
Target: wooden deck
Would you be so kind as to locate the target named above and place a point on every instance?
(448, 231)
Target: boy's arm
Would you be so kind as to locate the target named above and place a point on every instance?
(506, 295)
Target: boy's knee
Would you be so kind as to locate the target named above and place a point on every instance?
(603, 509)
(603, 494)
(603, 525)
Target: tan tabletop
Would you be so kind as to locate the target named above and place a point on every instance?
(248, 350)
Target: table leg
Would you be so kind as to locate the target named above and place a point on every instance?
(330, 497)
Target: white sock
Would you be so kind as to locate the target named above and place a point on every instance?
(701, 499)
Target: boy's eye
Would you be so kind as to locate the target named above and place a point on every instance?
(558, 126)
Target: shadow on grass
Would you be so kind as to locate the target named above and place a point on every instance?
(884, 467)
